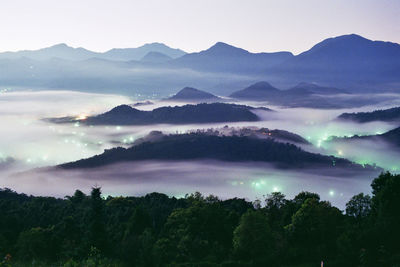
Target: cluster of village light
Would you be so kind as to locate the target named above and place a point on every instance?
(75, 137)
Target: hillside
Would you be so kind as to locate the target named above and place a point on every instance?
(391, 137)
(390, 115)
(225, 148)
(200, 113)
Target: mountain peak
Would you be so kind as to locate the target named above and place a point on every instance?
(189, 93)
(60, 46)
(263, 85)
(224, 48)
(257, 91)
(155, 57)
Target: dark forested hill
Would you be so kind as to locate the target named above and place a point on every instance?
(225, 148)
(200, 113)
(391, 137)
(392, 114)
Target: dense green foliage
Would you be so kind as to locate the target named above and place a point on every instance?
(157, 230)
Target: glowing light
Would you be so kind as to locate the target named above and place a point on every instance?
(340, 152)
(275, 189)
(118, 128)
(81, 117)
(319, 143)
(331, 193)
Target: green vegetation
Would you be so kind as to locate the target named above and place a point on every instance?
(157, 230)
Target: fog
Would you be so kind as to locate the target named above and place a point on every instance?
(177, 178)
(28, 142)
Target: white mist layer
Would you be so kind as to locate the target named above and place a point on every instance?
(177, 178)
(32, 143)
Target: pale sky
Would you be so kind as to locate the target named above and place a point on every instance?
(193, 25)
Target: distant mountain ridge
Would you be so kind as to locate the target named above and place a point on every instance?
(223, 57)
(155, 57)
(301, 95)
(350, 57)
(349, 61)
(66, 52)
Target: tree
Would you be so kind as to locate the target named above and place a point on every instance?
(386, 219)
(359, 206)
(37, 243)
(252, 238)
(98, 235)
(314, 229)
(301, 197)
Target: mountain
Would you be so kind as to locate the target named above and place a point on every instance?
(226, 148)
(347, 58)
(200, 113)
(222, 57)
(302, 95)
(351, 62)
(390, 115)
(259, 91)
(126, 54)
(66, 52)
(391, 137)
(155, 57)
(193, 94)
(62, 51)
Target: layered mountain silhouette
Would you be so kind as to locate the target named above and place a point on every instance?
(225, 148)
(192, 94)
(390, 115)
(200, 113)
(155, 57)
(349, 61)
(222, 57)
(348, 57)
(260, 91)
(125, 54)
(61, 51)
(302, 95)
(66, 52)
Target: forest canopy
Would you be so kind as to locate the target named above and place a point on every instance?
(197, 230)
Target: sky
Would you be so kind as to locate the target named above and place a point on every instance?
(193, 25)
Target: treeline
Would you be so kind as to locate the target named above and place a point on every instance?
(157, 230)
